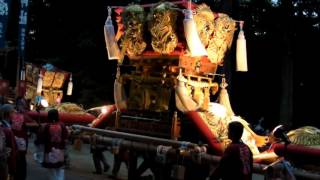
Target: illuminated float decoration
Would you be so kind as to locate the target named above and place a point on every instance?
(179, 63)
(49, 81)
(46, 79)
(178, 66)
(162, 77)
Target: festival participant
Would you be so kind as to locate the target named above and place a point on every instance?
(6, 144)
(21, 104)
(54, 139)
(19, 129)
(98, 156)
(7, 111)
(38, 142)
(237, 161)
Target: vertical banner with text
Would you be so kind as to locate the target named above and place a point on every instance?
(4, 13)
(22, 29)
(23, 19)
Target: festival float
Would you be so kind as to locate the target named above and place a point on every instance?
(171, 98)
(49, 81)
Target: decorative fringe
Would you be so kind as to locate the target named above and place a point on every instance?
(223, 98)
(241, 51)
(109, 35)
(190, 30)
(40, 82)
(70, 86)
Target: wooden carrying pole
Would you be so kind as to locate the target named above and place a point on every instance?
(136, 137)
(197, 154)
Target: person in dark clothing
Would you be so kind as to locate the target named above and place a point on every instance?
(7, 111)
(237, 160)
(54, 139)
(7, 144)
(19, 129)
(98, 158)
(21, 104)
(97, 151)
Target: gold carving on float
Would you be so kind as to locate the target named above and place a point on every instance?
(48, 78)
(218, 124)
(70, 108)
(59, 79)
(52, 82)
(162, 26)
(204, 19)
(218, 116)
(222, 39)
(192, 93)
(307, 136)
(133, 42)
(215, 32)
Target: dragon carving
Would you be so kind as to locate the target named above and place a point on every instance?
(204, 19)
(133, 19)
(215, 32)
(162, 26)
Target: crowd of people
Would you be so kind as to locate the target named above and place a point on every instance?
(50, 143)
(52, 136)
(14, 146)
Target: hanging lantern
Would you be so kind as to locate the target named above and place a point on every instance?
(241, 51)
(109, 35)
(70, 86)
(40, 82)
(190, 31)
